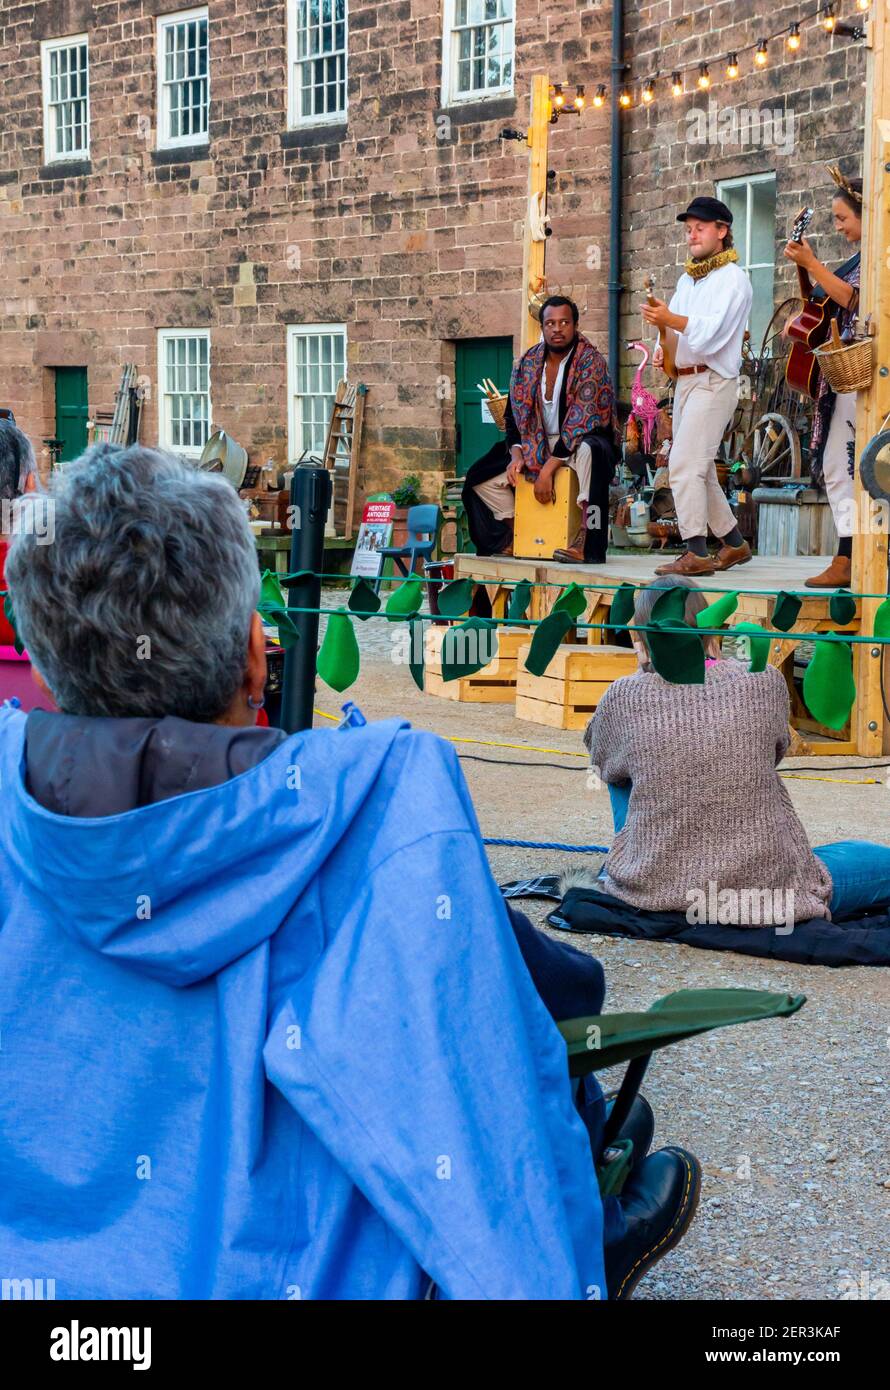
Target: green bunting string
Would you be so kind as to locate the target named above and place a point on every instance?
(363, 602)
(468, 647)
(718, 612)
(519, 601)
(756, 644)
(405, 601)
(785, 611)
(676, 651)
(338, 660)
(829, 689)
(841, 608)
(455, 598)
(547, 637)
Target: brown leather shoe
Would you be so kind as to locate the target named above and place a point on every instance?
(837, 576)
(573, 553)
(688, 564)
(729, 555)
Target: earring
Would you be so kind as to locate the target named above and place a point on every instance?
(256, 704)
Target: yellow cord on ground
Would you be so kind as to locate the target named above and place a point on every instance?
(570, 753)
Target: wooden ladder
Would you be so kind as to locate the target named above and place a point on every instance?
(341, 453)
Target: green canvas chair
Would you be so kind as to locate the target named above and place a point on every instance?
(605, 1040)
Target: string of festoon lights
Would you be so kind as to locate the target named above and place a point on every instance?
(731, 64)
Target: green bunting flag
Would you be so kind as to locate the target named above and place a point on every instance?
(756, 644)
(363, 602)
(828, 685)
(519, 601)
(622, 610)
(405, 601)
(718, 612)
(676, 651)
(415, 651)
(842, 608)
(338, 660)
(548, 635)
(468, 647)
(671, 607)
(10, 618)
(882, 619)
(455, 598)
(786, 611)
(571, 601)
(270, 589)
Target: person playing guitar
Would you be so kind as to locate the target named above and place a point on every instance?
(705, 324)
(832, 444)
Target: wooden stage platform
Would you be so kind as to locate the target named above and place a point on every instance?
(756, 583)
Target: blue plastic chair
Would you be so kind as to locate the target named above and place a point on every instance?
(422, 520)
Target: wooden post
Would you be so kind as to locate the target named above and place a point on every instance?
(870, 549)
(533, 251)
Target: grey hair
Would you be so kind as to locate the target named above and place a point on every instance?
(647, 598)
(16, 460)
(141, 606)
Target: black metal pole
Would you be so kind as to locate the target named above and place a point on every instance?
(615, 285)
(310, 498)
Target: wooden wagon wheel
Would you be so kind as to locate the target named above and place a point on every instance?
(773, 448)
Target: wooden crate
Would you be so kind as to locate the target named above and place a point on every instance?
(494, 684)
(541, 528)
(572, 686)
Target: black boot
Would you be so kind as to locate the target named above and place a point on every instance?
(658, 1201)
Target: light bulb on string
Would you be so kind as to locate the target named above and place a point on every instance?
(793, 40)
(558, 98)
(762, 55)
(579, 97)
(704, 77)
(599, 96)
(732, 65)
(829, 19)
(648, 92)
(863, 4)
(677, 84)
(624, 98)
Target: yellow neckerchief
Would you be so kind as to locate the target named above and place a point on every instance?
(699, 269)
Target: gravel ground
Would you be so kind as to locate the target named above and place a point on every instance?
(788, 1117)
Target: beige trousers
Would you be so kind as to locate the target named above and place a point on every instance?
(837, 462)
(704, 403)
(501, 498)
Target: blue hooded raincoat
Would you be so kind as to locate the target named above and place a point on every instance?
(275, 1039)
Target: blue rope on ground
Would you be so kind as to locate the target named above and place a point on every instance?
(550, 844)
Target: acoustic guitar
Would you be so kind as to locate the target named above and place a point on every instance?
(808, 329)
(666, 342)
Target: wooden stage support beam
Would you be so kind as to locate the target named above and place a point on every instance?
(870, 550)
(533, 251)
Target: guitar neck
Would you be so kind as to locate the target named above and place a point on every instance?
(806, 284)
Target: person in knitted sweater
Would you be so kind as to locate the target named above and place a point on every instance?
(692, 839)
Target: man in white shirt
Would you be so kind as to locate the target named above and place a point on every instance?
(706, 322)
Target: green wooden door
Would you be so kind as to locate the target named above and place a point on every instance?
(71, 411)
(477, 358)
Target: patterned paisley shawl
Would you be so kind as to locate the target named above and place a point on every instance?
(590, 404)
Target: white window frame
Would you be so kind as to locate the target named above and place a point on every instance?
(166, 141)
(50, 154)
(165, 441)
(451, 96)
(295, 118)
(747, 181)
(294, 414)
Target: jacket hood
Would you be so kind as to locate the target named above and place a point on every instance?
(137, 837)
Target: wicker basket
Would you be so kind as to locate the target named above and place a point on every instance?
(846, 366)
(498, 407)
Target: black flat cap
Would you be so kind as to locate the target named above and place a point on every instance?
(707, 210)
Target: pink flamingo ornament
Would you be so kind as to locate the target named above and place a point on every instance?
(644, 406)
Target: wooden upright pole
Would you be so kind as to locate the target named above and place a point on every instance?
(533, 251)
(869, 545)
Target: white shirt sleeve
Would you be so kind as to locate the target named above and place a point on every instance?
(708, 332)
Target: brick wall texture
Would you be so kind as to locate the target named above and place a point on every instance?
(407, 228)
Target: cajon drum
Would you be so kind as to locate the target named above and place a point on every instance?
(540, 528)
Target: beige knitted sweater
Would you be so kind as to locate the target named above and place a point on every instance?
(708, 811)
